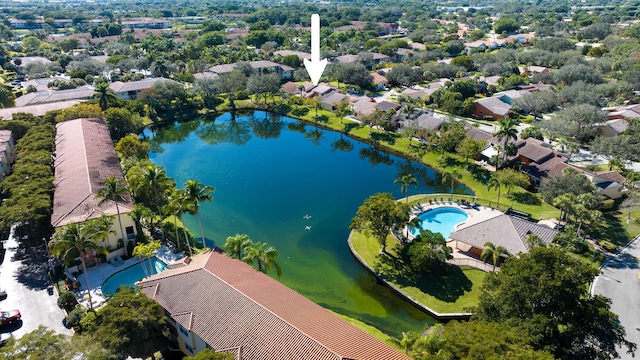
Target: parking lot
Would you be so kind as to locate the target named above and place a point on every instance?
(23, 277)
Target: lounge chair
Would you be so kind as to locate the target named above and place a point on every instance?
(113, 262)
(119, 258)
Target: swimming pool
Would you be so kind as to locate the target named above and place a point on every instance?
(130, 275)
(440, 220)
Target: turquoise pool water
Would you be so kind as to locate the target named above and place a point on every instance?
(129, 276)
(440, 220)
(270, 172)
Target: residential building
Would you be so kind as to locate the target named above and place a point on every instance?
(301, 55)
(491, 107)
(49, 96)
(214, 301)
(424, 121)
(146, 23)
(37, 110)
(402, 55)
(331, 101)
(380, 81)
(84, 158)
(613, 127)
(363, 107)
(130, 90)
(285, 72)
(375, 59)
(504, 230)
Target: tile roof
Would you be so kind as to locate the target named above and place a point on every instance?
(429, 122)
(532, 149)
(495, 105)
(300, 54)
(230, 305)
(504, 230)
(611, 175)
(478, 134)
(85, 157)
(290, 88)
(619, 125)
(378, 79)
(547, 169)
(349, 58)
(49, 96)
(5, 135)
(38, 109)
(387, 105)
(121, 87)
(333, 98)
(260, 64)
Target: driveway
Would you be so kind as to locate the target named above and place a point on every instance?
(23, 274)
(620, 281)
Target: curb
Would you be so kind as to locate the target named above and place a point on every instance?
(438, 316)
(593, 284)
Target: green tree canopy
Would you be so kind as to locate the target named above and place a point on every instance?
(546, 294)
(379, 213)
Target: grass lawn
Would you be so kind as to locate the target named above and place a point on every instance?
(448, 291)
(366, 328)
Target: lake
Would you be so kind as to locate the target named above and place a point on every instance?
(295, 187)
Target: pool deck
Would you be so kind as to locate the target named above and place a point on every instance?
(98, 274)
(475, 215)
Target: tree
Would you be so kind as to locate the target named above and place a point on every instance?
(533, 240)
(427, 251)
(495, 182)
(210, 354)
(630, 202)
(505, 25)
(571, 181)
(493, 252)
(6, 97)
(405, 180)
(508, 131)
(129, 321)
(343, 109)
(105, 94)
(159, 68)
(557, 311)
(196, 193)
(43, 343)
(577, 121)
(564, 202)
(379, 213)
(143, 251)
(114, 190)
(263, 84)
(451, 177)
(264, 256)
(470, 148)
(232, 82)
(73, 241)
(131, 146)
(486, 340)
(236, 245)
(510, 178)
(121, 123)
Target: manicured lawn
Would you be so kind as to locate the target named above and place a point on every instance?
(448, 291)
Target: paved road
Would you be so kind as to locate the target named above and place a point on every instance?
(620, 282)
(24, 280)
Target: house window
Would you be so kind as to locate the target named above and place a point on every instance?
(184, 331)
(130, 233)
(188, 347)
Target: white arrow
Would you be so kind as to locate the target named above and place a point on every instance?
(315, 67)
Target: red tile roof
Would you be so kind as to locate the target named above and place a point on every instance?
(85, 157)
(229, 305)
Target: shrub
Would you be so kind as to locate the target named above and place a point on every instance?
(67, 301)
(75, 316)
(88, 320)
(608, 204)
(607, 245)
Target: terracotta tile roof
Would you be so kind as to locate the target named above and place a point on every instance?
(548, 169)
(503, 230)
(378, 79)
(230, 305)
(478, 134)
(495, 105)
(84, 158)
(290, 88)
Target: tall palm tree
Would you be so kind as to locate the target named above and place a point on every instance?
(493, 252)
(173, 208)
(415, 222)
(236, 245)
(156, 178)
(73, 241)
(406, 180)
(159, 68)
(114, 190)
(495, 183)
(185, 206)
(105, 94)
(197, 192)
(564, 202)
(265, 256)
(507, 131)
(533, 240)
(451, 177)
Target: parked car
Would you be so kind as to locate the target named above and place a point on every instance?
(4, 337)
(7, 317)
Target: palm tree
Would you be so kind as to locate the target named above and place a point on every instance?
(301, 88)
(493, 252)
(73, 241)
(105, 94)
(409, 109)
(533, 240)
(114, 190)
(185, 206)
(157, 179)
(451, 177)
(406, 180)
(197, 192)
(172, 208)
(7, 99)
(495, 183)
(416, 223)
(265, 256)
(159, 68)
(236, 245)
(507, 131)
(564, 202)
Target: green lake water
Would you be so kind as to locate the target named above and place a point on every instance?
(270, 172)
